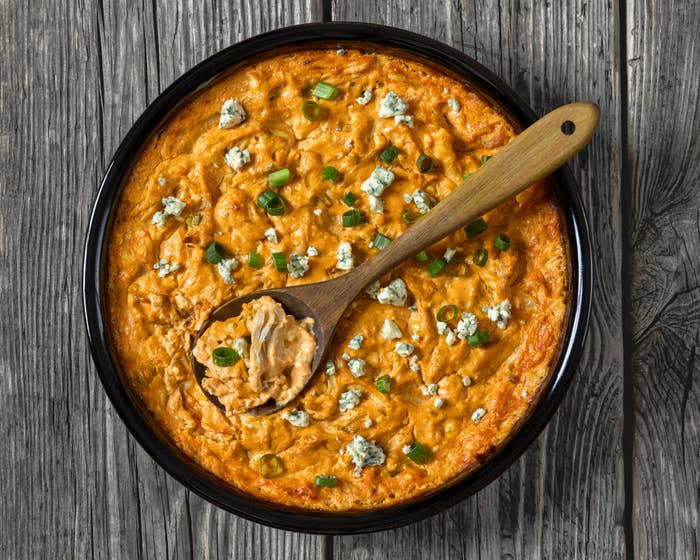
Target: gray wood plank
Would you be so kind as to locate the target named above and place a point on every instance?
(663, 237)
(564, 498)
(74, 76)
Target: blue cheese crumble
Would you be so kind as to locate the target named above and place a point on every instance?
(364, 452)
(380, 179)
(356, 342)
(357, 367)
(467, 326)
(404, 349)
(376, 204)
(373, 289)
(344, 256)
(393, 106)
(404, 119)
(478, 414)
(423, 201)
(240, 345)
(365, 98)
(346, 356)
(330, 368)
(161, 181)
(414, 365)
(271, 235)
(390, 330)
(311, 251)
(232, 114)
(172, 206)
(449, 253)
(431, 390)
(349, 399)
(298, 265)
(164, 267)
(226, 267)
(438, 402)
(454, 105)
(394, 293)
(368, 423)
(298, 418)
(237, 158)
(500, 313)
(466, 381)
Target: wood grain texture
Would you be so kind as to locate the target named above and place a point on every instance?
(75, 74)
(663, 236)
(74, 77)
(564, 498)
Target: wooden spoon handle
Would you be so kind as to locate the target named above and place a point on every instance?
(534, 154)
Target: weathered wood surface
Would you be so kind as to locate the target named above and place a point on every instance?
(610, 477)
(662, 243)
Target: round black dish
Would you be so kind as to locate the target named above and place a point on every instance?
(130, 407)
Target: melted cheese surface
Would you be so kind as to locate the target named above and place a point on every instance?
(484, 391)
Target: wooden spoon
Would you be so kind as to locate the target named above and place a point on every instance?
(533, 155)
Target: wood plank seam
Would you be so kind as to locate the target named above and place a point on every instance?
(626, 290)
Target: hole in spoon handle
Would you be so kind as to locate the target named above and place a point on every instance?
(568, 127)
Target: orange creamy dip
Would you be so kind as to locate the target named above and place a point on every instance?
(267, 356)
(461, 402)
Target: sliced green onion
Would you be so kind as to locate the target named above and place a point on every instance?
(278, 178)
(272, 203)
(466, 176)
(436, 266)
(215, 252)
(330, 173)
(447, 313)
(384, 384)
(478, 338)
(254, 260)
(325, 91)
(311, 110)
(325, 481)
(502, 242)
(484, 159)
(270, 465)
(424, 163)
(422, 256)
(349, 199)
(224, 357)
(456, 268)
(410, 217)
(389, 154)
(475, 228)
(381, 241)
(418, 453)
(480, 257)
(280, 260)
(352, 218)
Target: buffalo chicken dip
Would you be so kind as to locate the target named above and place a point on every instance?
(296, 169)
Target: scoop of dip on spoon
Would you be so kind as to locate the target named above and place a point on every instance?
(256, 353)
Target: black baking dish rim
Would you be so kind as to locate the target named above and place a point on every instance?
(132, 411)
